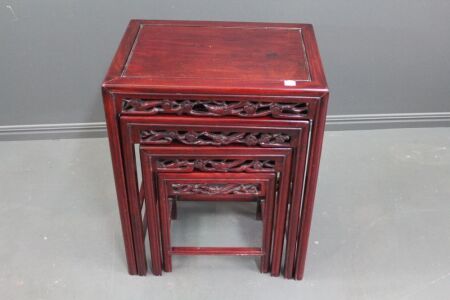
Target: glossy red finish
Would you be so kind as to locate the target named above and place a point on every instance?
(232, 186)
(119, 178)
(241, 87)
(280, 158)
(168, 51)
(230, 57)
(310, 191)
(133, 128)
(240, 251)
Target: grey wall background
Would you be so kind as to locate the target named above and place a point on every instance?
(381, 57)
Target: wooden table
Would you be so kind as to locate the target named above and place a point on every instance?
(218, 84)
(205, 186)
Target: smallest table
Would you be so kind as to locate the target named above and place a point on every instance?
(217, 187)
(196, 84)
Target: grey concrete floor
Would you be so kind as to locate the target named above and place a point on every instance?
(381, 227)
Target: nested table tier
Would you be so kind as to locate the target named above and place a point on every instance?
(228, 97)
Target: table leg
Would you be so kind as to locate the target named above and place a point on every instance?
(119, 178)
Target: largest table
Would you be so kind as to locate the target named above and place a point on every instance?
(214, 73)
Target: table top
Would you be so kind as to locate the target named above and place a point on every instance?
(220, 57)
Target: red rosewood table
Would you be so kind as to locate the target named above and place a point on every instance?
(216, 98)
(216, 187)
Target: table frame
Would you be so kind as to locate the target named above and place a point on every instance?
(236, 187)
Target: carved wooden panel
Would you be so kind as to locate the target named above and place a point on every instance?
(215, 189)
(250, 109)
(219, 165)
(215, 138)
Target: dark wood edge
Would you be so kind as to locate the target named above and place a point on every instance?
(310, 191)
(124, 85)
(224, 23)
(315, 60)
(210, 176)
(122, 52)
(267, 124)
(237, 152)
(120, 181)
(240, 251)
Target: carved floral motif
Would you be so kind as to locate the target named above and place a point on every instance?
(219, 165)
(249, 109)
(214, 138)
(215, 189)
